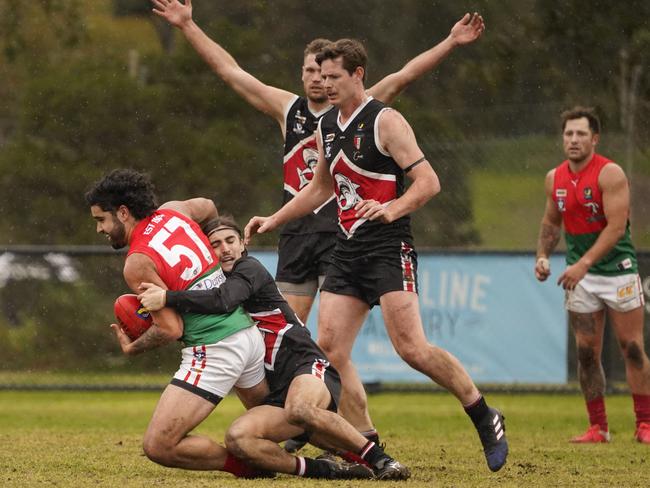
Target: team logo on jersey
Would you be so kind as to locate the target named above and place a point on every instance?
(625, 264)
(361, 125)
(298, 129)
(560, 192)
(330, 137)
(588, 194)
(310, 157)
(300, 118)
(347, 194)
(561, 205)
(358, 139)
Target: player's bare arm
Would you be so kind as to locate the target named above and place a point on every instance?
(616, 206)
(467, 30)
(200, 210)
(549, 231)
(167, 324)
(265, 98)
(312, 196)
(397, 138)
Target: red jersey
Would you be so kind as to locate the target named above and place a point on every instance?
(580, 201)
(185, 260)
(578, 196)
(176, 245)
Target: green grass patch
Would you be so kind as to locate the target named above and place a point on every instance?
(77, 439)
(507, 210)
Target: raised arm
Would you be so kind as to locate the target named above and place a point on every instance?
(616, 206)
(465, 31)
(270, 100)
(397, 139)
(167, 324)
(549, 231)
(316, 193)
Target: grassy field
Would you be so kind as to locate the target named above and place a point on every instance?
(80, 439)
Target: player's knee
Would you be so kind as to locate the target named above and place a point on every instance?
(334, 354)
(157, 450)
(299, 413)
(633, 353)
(587, 356)
(414, 355)
(236, 439)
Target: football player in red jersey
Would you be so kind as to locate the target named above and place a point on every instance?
(365, 151)
(589, 195)
(305, 245)
(222, 351)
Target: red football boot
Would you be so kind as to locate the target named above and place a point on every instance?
(593, 436)
(642, 433)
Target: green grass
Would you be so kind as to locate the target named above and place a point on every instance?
(507, 210)
(81, 439)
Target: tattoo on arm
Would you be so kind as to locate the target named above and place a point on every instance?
(151, 339)
(549, 236)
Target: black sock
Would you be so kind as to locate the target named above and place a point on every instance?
(312, 468)
(372, 453)
(477, 410)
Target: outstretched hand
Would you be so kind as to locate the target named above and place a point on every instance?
(258, 225)
(467, 29)
(173, 11)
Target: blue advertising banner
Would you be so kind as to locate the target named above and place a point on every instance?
(486, 309)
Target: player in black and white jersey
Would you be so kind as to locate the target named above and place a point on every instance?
(304, 387)
(305, 245)
(365, 150)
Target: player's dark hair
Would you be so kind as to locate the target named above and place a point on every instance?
(316, 46)
(351, 51)
(224, 221)
(125, 187)
(579, 112)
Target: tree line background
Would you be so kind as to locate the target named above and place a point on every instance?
(88, 86)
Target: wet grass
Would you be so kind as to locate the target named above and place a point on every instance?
(70, 439)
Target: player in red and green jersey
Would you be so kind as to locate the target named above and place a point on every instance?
(589, 195)
(167, 247)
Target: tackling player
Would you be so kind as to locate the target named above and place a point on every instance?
(304, 387)
(222, 351)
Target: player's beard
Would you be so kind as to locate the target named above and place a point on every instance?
(318, 99)
(118, 235)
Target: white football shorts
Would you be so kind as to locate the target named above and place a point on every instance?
(621, 293)
(212, 370)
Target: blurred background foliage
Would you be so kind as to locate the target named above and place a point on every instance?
(88, 86)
